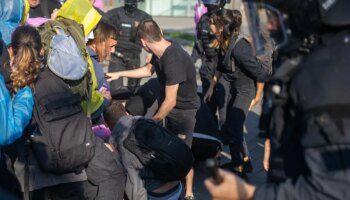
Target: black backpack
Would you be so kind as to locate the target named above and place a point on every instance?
(63, 141)
(165, 156)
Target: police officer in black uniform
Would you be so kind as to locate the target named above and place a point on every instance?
(129, 48)
(209, 56)
(309, 126)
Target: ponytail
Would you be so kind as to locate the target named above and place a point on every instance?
(26, 45)
(25, 67)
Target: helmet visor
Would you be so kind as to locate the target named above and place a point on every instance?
(211, 2)
(265, 21)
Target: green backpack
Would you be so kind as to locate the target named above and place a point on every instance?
(67, 57)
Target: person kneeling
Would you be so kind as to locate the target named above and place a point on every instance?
(149, 153)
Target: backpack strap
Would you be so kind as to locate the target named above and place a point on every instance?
(89, 94)
(234, 41)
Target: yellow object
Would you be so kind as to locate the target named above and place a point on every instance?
(97, 98)
(26, 10)
(82, 12)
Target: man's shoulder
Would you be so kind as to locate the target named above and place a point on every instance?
(144, 14)
(174, 52)
(178, 57)
(115, 11)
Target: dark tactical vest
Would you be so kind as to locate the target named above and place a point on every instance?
(310, 112)
(128, 41)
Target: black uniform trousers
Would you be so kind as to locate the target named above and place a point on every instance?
(237, 110)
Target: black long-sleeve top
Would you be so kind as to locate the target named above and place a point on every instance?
(248, 68)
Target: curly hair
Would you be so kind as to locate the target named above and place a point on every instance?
(26, 45)
(230, 22)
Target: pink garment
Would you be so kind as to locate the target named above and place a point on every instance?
(37, 21)
(199, 10)
(101, 131)
(99, 4)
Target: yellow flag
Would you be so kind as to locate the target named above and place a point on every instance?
(82, 12)
(26, 9)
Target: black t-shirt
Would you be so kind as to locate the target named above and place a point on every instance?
(176, 67)
(44, 9)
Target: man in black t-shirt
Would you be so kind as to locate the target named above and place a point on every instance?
(177, 76)
(43, 8)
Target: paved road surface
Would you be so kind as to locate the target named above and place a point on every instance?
(256, 149)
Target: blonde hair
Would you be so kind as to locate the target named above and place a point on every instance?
(26, 46)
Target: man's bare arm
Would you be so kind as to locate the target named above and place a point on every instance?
(141, 72)
(258, 95)
(168, 103)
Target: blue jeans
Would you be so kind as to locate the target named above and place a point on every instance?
(173, 194)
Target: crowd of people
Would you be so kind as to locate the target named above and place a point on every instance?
(72, 128)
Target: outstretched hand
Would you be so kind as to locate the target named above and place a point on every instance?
(112, 76)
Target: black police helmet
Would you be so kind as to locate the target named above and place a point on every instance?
(214, 5)
(130, 1)
(307, 16)
(130, 6)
